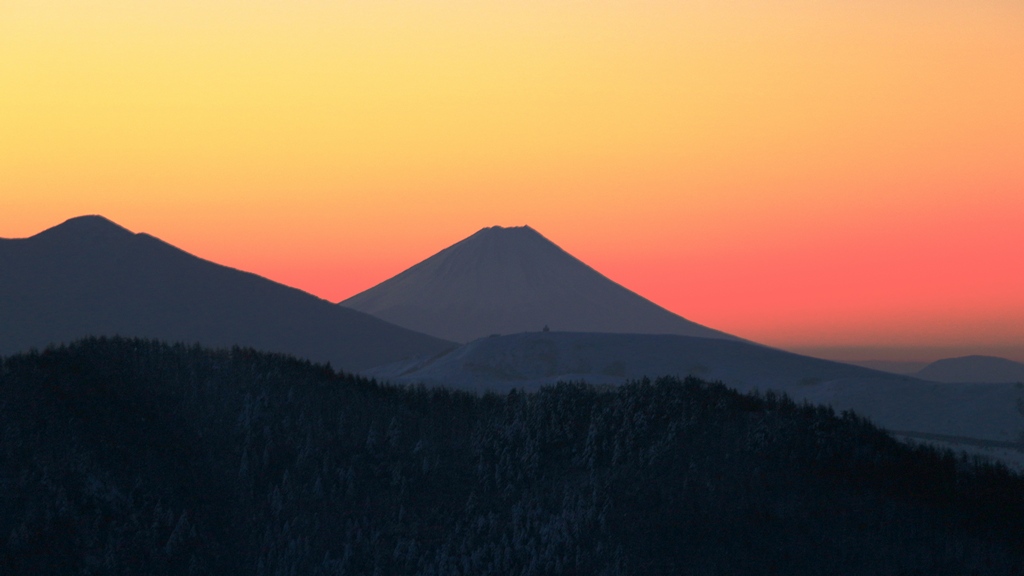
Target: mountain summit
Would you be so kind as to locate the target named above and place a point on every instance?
(510, 280)
(82, 228)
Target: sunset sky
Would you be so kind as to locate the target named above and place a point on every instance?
(803, 173)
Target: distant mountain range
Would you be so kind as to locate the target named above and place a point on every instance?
(89, 276)
(992, 369)
(973, 369)
(511, 280)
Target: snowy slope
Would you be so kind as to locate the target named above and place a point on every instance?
(983, 412)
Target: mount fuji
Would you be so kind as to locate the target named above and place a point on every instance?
(512, 280)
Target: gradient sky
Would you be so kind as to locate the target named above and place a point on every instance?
(826, 174)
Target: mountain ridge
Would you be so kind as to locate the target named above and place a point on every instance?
(89, 276)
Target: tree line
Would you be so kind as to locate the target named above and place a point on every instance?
(128, 456)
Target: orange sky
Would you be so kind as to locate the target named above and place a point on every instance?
(801, 173)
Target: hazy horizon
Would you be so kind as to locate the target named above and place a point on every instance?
(877, 354)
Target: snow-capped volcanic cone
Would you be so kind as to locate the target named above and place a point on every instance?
(91, 277)
(511, 280)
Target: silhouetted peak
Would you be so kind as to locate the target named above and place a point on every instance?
(92, 227)
(979, 357)
(973, 359)
(505, 280)
(507, 231)
(506, 236)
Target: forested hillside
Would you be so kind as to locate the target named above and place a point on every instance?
(134, 457)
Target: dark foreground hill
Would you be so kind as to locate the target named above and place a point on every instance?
(511, 280)
(91, 277)
(135, 457)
